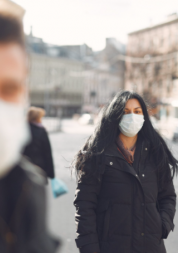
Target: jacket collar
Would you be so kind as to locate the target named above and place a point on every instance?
(112, 157)
(112, 150)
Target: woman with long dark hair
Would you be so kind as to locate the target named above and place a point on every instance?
(125, 198)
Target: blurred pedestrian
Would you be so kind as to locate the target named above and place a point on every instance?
(39, 149)
(22, 196)
(125, 199)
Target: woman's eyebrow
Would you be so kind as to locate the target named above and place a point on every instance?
(134, 108)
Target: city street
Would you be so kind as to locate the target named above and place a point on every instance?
(61, 211)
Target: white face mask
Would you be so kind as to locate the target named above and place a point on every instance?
(14, 134)
(131, 124)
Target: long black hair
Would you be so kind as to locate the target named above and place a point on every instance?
(89, 159)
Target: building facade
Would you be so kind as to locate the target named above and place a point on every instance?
(66, 80)
(103, 76)
(100, 87)
(156, 79)
(56, 84)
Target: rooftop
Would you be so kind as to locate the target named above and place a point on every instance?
(173, 18)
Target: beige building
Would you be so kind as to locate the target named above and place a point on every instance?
(155, 74)
(72, 79)
(62, 85)
(56, 84)
(104, 76)
(100, 87)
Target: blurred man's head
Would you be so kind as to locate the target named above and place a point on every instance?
(13, 59)
(14, 132)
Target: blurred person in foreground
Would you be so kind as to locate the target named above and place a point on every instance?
(22, 197)
(125, 199)
(39, 149)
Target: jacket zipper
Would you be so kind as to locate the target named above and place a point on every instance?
(106, 222)
(140, 159)
(133, 196)
(128, 172)
(143, 199)
(132, 213)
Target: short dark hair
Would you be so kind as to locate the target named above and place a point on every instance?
(11, 30)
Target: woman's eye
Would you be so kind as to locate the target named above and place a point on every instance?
(137, 112)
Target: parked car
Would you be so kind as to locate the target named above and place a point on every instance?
(155, 123)
(86, 119)
(175, 134)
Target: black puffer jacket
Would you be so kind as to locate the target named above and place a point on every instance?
(23, 212)
(39, 150)
(128, 211)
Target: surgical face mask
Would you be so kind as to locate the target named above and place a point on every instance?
(131, 124)
(14, 135)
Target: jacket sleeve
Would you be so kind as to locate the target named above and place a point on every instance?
(86, 199)
(47, 154)
(37, 238)
(167, 205)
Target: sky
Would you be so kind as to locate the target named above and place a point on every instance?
(72, 22)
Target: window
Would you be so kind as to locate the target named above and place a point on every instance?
(92, 94)
(168, 86)
(176, 112)
(161, 42)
